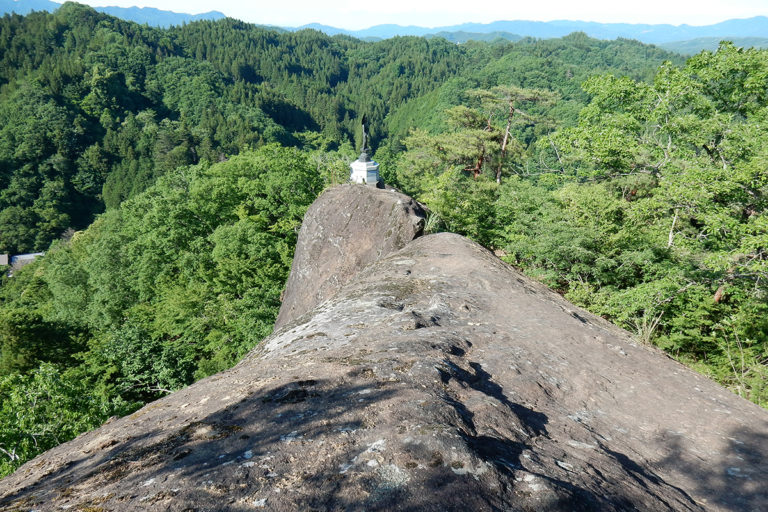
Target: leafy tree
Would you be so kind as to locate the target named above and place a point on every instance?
(504, 102)
(26, 339)
(43, 409)
(685, 157)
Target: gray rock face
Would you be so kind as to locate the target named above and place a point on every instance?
(346, 228)
(438, 379)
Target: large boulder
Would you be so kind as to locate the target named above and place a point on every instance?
(438, 379)
(347, 228)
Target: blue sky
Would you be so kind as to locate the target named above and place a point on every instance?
(357, 14)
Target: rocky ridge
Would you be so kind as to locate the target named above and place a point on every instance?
(347, 228)
(437, 378)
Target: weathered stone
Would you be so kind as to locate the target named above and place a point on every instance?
(439, 379)
(346, 229)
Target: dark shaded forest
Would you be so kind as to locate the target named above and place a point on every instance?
(165, 173)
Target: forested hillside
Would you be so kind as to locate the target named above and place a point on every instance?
(165, 173)
(93, 109)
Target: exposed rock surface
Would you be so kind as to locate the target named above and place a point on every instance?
(345, 229)
(438, 379)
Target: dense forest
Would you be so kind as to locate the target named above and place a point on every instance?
(165, 173)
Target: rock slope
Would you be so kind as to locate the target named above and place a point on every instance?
(437, 379)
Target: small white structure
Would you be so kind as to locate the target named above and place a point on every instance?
(364, 170)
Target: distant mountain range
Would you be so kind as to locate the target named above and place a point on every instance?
(685, 39)
(693, 46)
(653, 34)
(462, 37)
(149, 15)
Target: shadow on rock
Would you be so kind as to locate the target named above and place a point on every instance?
(225, 460)
(533, 422)
(735, 485)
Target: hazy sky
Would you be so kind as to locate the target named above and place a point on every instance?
(357, 14)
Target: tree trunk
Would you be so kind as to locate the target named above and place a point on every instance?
(671, 239)
(504, 143)
(477, 168)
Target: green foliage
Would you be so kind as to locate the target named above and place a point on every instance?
(93, 110)
(463, 205)
(44, 408)
(557, 65)
(695, 190)
(136, 366)
(26, 339)
(214, 238)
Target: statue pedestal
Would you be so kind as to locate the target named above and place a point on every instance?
(366, 172)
